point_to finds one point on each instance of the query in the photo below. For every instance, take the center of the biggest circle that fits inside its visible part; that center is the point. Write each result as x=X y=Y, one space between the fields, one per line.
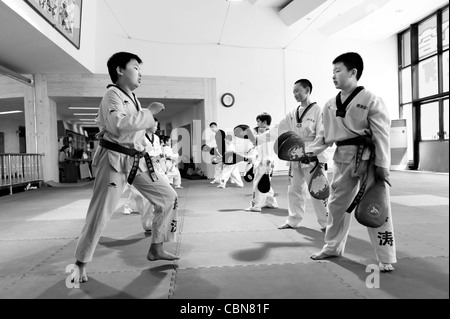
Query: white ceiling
x=252 y=23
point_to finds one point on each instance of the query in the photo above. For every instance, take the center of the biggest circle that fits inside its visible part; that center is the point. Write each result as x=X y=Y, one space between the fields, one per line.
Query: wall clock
x=227 y=99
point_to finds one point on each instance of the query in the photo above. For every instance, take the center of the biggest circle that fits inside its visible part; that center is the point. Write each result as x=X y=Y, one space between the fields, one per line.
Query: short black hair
x=120 y=59
x=212 y=123
x=351 y=60
x=305 y=83
x=265 y=117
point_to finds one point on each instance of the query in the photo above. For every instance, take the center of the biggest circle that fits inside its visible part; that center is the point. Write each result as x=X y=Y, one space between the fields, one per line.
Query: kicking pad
x=244 y=131
x=220 y=141
x=292 y=149
x=264 y=184
x=372 y=210
x=249 y=175
x=319 y=187
x=231 y=158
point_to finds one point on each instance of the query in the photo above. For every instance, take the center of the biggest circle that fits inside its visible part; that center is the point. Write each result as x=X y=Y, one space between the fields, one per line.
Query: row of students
x=349 y=120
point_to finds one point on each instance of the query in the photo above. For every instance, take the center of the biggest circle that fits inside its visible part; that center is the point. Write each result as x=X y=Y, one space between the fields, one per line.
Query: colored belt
x=136 y=155
x=362 y=142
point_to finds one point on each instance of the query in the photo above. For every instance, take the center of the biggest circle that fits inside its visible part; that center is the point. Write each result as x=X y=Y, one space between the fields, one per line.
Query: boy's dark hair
x=351 y=60
x=212 y=123
x=166 y=138
x=120 y=59
x=264 y=117
x=305 y=83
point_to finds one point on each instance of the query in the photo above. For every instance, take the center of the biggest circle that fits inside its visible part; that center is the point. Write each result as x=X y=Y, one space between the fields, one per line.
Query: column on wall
x=41 y=126
x=210 y=115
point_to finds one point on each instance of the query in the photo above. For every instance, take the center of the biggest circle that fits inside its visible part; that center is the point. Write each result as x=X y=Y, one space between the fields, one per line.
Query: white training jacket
x=366 y=114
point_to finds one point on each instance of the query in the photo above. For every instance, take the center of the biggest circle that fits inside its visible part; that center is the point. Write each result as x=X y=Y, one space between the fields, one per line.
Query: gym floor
x=225 y=253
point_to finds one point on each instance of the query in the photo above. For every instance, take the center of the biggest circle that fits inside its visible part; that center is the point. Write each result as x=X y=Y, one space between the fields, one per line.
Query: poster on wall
x=63 y=15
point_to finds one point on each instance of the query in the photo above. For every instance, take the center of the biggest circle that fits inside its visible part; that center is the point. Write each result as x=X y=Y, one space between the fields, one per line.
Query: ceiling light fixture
x=87 y=120
x=85 y=114
x=82 y=108
x=10 y=112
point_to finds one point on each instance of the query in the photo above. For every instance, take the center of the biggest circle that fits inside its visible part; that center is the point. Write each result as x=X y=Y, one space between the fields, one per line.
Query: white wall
x=260 y=79
x=379 y=75
x=85 y=55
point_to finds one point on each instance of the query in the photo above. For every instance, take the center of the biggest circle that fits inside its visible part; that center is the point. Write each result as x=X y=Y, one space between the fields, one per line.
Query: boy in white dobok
x=262 y=159
x=123 y=122
x=306 y=121
x=354 y=113
x=230 y=172
x=171 y=163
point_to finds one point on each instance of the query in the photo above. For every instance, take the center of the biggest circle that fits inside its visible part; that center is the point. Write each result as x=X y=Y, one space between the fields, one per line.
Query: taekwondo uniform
x=136 y=199
x=363 y=114
x=170 y=164
x=230 y=171
x=310 y=129
x=262 y=157
x=123 y=123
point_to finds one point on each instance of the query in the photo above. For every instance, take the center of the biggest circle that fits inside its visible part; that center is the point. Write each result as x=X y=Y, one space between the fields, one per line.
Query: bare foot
x=80 y=273
x=320 y=255
x=285 y=226
x=156 y=252
x=385 y=267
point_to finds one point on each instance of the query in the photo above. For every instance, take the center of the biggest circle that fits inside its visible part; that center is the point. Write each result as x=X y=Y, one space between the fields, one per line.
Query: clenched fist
x=156 y=107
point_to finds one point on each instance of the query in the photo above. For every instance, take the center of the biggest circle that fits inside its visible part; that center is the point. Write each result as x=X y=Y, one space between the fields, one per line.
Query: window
x=446 y=115
x=406 y=49
x=423 y=71
x=428 y=37
x=424 y=76
x=406 y=85
x=428 y=77
x=445 y=72
x=429 y=121
x=445 y=29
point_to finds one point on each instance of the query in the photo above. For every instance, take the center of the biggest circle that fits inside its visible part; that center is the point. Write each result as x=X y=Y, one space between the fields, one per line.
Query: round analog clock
x=227 y=99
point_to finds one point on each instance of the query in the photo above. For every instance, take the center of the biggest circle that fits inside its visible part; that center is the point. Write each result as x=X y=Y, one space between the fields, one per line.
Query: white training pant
x=108 y=188
x=262 y=199
x=344 y=188
x=231 y=172
x=173 y=173
x=218 y=171
x=297 y=194
x=138 y=203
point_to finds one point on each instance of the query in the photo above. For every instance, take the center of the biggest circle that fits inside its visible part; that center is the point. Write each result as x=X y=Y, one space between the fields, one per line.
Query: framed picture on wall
x=63 y=15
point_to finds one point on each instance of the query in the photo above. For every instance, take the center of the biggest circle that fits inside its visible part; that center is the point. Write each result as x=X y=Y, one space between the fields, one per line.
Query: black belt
x=137 y=156
x=362 y=142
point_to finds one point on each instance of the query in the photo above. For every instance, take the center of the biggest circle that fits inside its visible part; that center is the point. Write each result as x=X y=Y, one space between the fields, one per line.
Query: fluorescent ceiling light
x=10 y=112
x=82 y=108
x=88 y=120
x=85 y=114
